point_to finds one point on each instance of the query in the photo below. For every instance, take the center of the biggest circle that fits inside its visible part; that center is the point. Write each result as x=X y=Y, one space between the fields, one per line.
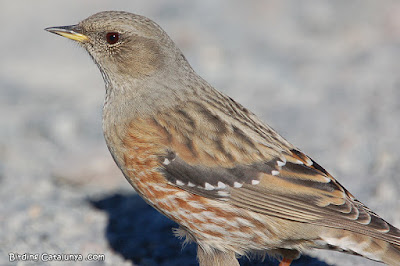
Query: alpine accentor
x=230 y=181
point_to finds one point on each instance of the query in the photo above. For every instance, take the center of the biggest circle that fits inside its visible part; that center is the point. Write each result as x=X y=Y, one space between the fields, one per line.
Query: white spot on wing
x=180 y=183
x=190 y=184
x=237 y=184
x=221 y=185
x=166 y=161
x=208 y=186
x=327 y=180
x=274 y=172
x=309 y=162
x=280 y=164
x=255 y=182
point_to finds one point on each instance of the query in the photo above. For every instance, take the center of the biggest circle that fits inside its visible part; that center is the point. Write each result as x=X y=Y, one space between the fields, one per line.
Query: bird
x=233 y=185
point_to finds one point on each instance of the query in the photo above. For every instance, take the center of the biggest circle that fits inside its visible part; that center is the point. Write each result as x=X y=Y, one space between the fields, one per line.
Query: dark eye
x=112 y=37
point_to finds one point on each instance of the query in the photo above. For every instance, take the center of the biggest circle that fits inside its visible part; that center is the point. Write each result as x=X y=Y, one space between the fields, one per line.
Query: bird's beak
x=71 y=32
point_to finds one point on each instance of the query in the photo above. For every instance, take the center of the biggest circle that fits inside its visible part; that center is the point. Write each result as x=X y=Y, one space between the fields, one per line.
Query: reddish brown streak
x=141 y=161
x=143 y=142
x=183 y=204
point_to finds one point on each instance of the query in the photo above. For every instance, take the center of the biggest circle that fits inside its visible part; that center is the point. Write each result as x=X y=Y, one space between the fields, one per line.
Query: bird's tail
x=363 y=245
x=391 y=255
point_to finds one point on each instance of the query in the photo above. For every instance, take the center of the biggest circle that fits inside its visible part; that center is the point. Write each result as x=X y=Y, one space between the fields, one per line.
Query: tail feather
x=363 y=245
x=392 y=255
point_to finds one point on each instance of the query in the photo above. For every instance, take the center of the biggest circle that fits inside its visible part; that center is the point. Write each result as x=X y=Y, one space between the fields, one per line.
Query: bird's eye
x=112 y=37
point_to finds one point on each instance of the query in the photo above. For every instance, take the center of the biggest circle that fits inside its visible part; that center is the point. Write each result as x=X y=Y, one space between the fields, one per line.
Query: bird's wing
x=244 y=162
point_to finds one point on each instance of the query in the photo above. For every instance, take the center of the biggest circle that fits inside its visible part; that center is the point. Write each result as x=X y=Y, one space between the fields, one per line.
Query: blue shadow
x=144 y=236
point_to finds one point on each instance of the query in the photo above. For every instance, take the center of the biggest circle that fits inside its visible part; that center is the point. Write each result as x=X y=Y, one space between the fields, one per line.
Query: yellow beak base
x=69 y=32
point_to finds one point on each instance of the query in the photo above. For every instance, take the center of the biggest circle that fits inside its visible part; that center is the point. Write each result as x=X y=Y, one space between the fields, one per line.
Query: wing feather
x=246 y=163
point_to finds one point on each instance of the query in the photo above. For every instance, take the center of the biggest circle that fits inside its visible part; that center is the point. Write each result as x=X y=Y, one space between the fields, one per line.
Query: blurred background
x=325 y=74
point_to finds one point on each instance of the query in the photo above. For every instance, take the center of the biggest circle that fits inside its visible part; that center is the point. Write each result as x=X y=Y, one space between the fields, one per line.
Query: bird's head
x=122 y=43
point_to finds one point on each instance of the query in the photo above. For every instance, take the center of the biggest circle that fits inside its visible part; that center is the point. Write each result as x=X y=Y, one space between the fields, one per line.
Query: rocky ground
x=325 y=74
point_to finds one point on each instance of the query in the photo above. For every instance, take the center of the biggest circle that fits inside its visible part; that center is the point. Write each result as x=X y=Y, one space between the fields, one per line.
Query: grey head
x=139 y=62
x=125 y=45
